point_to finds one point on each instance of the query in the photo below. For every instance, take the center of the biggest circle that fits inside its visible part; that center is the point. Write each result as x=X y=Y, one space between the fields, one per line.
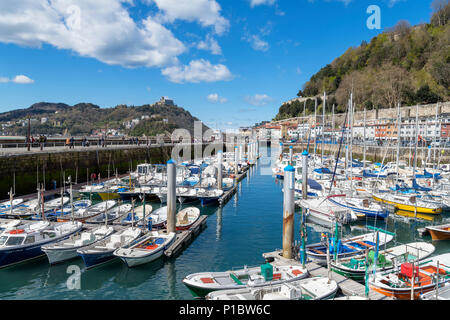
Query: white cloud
x=205 y=12
x=101 y=29
x=210 y=44
x=258 y=99
x=198 y=71
x=257 y=43
x=254 y=3
x=19 y=79
x=215 y=98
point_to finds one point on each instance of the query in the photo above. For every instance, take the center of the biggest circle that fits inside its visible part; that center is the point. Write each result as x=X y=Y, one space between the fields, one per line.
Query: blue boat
x=19 y=245
x=361 y=206
x=102 y=251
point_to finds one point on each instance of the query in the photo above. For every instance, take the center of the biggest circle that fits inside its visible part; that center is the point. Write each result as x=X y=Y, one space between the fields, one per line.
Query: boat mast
x=332 y=122
x=323 y=122
x=435 y=129
x=364 y=153
x=352 y=106
x=315 y=127
x=71 y=198
x=399 y=120
x=415 y=144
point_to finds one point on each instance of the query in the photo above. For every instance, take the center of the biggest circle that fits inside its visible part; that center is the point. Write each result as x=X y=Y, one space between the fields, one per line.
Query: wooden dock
x=229 y=193
x=185 y=237
x=347 y=286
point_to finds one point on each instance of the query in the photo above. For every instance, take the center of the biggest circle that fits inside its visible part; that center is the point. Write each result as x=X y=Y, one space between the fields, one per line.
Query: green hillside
x=405 y=64
x=85 y=118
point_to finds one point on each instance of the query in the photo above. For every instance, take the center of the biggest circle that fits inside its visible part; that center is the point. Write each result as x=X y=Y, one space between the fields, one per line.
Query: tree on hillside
x=392 y=85
x=441 y=12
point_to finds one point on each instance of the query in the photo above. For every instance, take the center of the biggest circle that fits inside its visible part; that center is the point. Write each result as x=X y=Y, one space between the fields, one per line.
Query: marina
x=242 y=214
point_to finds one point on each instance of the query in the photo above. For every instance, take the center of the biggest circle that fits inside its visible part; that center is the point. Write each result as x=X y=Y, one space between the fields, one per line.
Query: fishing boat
x=315 y=288
x=343 y=248
x=67 y=209
x=360 y=206
x=186 y=195
x=200 y=284
x=408 y=203
x=442 y=293
x=90 y=212
x=23 y=244
x=186 y=218
x=135 y=215
x=6 y=205
x=67 y=249
x=227 y=183
x=10 y=224
x=209 y=197
x=441 y=232
x=158 y=218
x=413 y=280
x=321 y=210
x=91 y=191
x=149 y=247
x=102 y=251
x=111 y=215
x=355 y=267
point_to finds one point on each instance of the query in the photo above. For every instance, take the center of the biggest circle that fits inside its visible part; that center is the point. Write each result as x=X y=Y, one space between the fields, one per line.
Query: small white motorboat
x=67 y=249
x=148 y=248
x=187 y=217
x=200 y=284
x=315 y=288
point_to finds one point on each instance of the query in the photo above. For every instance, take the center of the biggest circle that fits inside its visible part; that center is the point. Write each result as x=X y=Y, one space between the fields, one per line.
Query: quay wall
x=27 y=171
x=376 y=154
x=429 y=111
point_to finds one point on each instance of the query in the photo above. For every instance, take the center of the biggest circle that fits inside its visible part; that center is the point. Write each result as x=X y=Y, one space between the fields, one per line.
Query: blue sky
x=230 y=63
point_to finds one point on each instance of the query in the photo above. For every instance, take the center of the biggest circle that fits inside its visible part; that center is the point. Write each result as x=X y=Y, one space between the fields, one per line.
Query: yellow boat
x=410 y=214
x=109 y=195
x=411 y=204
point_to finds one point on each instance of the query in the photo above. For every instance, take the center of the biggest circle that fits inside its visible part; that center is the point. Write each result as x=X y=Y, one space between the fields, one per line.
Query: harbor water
x=237 y=234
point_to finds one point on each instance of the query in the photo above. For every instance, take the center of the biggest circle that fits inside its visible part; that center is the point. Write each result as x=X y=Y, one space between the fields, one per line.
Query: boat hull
x=406 y=207
x=108 y=195
x=15 y=256
x=404 y=294
x=437 y=234
x=58 y=256
x=92 y=260
x=134 y=262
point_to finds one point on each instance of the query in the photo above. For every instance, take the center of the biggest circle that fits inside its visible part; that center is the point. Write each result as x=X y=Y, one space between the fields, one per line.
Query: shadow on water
x=132 y=277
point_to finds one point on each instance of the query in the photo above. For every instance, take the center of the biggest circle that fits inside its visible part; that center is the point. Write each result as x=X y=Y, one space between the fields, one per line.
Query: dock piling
x=171 y=196
x=288 y=211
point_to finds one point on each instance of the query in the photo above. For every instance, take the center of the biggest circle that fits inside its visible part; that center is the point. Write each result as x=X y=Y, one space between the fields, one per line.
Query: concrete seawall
x=27 y=170
x=377 y=153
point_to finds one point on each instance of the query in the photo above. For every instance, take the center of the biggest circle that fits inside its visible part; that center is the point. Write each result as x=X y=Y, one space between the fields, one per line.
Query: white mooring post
x=305 y=174
x=291 y=155
x=236 y=168
x=219 y=170
x=171 y=196
x=288 y=211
